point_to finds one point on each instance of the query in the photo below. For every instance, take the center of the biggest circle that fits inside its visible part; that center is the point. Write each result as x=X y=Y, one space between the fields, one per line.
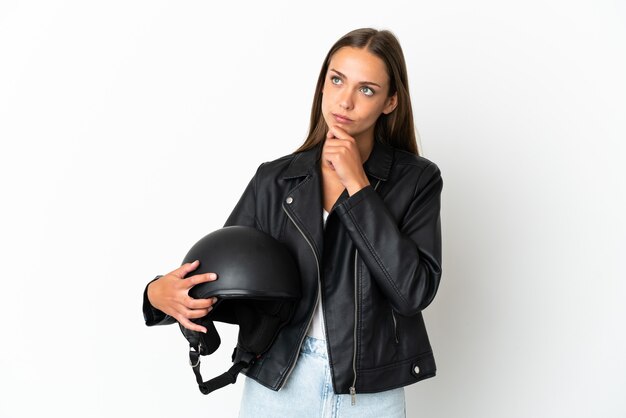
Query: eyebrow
x=362 y=82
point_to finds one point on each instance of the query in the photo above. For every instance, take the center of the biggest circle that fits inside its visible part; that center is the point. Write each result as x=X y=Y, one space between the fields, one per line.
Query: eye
x=334 y=79
x=367 y=91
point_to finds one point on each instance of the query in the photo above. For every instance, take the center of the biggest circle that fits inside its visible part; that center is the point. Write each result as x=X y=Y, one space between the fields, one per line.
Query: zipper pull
x=353 y=395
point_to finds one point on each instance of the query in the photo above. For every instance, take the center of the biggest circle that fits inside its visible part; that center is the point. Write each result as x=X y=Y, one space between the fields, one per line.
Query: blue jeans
x=308 y=393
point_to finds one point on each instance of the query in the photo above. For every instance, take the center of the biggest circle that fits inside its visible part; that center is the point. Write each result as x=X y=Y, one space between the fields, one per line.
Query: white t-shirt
x=316 y=330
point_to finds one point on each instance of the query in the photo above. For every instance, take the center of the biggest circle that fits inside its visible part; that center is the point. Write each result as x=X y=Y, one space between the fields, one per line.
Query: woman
x=359 y=208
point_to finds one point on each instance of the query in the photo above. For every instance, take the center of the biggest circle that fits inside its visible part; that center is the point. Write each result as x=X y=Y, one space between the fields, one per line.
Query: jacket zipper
x=317 y=263
x=356 y=318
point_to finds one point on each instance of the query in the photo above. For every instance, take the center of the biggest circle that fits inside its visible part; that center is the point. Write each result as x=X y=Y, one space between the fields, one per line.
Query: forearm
x=404 y=257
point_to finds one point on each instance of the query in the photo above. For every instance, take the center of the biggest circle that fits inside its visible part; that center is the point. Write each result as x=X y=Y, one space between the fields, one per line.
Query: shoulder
x=415 y=173
x=276 y=167
x=279 y=163
x=290 y=166
x=280 y=172
x=407 y=163
x=404 y=158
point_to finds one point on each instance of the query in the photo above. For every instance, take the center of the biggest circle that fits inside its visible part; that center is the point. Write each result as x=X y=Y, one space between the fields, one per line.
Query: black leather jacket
x=376 y=265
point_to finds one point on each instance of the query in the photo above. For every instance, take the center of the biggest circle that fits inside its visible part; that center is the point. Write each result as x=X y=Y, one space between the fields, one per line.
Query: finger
x=336 y=154
x=192 y=303
x=183 y=270
x=339 y=132
x=337 y=143
x=336 y=147
x=191 y=325
x=330 y=142
x=198 y=313
x=194 y=313
x=328 y=161
x=200 y=278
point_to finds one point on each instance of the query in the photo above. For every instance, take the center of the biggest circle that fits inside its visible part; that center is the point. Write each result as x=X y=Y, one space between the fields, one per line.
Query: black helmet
x=257 y=288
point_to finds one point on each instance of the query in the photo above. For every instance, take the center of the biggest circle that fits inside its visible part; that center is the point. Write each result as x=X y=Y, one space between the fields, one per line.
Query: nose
x=345 y=99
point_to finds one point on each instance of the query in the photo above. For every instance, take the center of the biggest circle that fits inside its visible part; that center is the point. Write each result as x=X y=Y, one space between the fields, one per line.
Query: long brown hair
x=397 y=128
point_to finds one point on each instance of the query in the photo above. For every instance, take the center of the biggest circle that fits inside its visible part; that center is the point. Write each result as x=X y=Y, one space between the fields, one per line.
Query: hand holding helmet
x=170 y=294
x=258 y=290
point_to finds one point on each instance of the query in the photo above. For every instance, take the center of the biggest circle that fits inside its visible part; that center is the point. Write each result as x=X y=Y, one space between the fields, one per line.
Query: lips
x=341 y=119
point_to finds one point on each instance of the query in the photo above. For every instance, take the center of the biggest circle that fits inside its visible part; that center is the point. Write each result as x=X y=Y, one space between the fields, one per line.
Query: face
x=356 y=92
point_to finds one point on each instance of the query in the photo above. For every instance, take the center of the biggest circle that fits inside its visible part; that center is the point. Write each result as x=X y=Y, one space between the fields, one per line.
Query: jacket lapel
x=303 y=202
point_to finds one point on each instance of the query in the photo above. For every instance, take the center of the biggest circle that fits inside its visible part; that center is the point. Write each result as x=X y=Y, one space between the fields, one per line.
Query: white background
x=129 y=130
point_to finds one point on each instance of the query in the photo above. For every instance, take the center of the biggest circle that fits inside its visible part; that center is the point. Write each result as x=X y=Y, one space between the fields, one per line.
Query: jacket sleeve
x=243 y=214
x=404 y=257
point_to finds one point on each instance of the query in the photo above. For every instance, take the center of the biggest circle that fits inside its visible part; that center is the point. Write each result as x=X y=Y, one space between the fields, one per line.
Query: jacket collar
x=377 y=165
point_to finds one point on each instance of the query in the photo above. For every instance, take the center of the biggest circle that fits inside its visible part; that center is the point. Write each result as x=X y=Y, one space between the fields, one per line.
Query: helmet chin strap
x=259 y=323
x=226 y=378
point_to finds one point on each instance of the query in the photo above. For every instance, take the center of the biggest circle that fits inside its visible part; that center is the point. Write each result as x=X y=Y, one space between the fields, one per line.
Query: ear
x=391 y=104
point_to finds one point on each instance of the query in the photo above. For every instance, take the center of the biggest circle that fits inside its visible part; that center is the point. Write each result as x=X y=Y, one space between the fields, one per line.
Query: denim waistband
x=314 y=346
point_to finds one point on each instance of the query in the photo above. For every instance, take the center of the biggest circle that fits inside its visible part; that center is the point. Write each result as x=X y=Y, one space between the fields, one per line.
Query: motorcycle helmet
x=257 y=287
